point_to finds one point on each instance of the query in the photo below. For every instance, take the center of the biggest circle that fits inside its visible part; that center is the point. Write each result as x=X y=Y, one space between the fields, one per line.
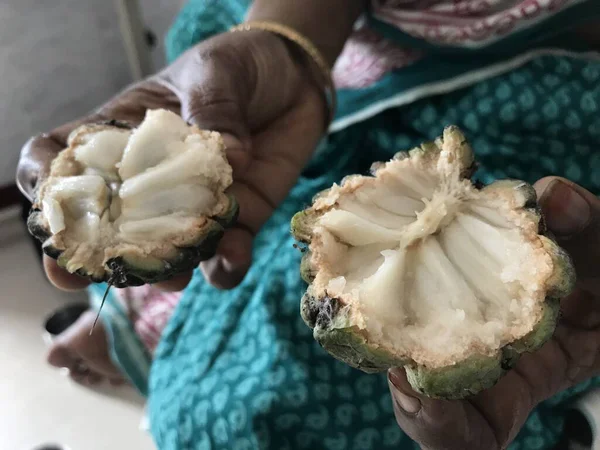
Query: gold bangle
x=308 y=47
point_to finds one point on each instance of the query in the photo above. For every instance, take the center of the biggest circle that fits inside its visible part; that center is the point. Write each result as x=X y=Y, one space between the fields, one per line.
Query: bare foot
x=86 y=357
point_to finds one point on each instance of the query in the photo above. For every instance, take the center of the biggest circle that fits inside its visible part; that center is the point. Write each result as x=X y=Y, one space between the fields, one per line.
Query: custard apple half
x=134 y=206
x=418 y=267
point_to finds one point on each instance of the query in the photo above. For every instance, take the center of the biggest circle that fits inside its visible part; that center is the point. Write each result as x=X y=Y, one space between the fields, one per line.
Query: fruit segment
x=135 y=205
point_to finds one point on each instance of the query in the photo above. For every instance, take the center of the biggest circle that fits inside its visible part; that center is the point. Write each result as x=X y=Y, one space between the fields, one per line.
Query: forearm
x=327 y=23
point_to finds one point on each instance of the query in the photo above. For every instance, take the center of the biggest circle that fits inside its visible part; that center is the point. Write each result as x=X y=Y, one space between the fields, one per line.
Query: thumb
x=438 y=424
x=217 y=108
x=215 y=104
x=572 y=214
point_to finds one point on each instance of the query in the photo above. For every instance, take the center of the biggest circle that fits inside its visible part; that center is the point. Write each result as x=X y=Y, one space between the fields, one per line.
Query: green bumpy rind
x=350 y=347
x=543 y=330
x=347 y=344
x=458 y=381
x=230 y=216
x=562 y=281
x=301 y=226
x=480 y=372
x=524 y=193
x=127 y=270
x=306 y=269
x=344 y=341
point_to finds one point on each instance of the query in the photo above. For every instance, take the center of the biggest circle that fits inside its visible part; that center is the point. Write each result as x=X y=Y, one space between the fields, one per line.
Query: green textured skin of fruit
x=543 y=331
x=134 y=272
x=35 y=227
x=345 y=343
x=300 y=226
x=562 y=282
x=525 y=193
x=461 y=380
x=349 y=346
x=306 y=270
x=230 y=216
x=480 y=372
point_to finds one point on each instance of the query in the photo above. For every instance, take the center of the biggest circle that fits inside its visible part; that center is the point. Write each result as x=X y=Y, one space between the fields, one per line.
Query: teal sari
x=239 y=369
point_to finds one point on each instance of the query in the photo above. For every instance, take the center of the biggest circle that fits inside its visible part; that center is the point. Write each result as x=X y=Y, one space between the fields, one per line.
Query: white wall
x=58 y=60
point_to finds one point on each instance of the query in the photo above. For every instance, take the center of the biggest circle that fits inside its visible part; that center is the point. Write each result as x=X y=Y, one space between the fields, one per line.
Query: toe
x=77 y=346
x=61 y=356
x=117 y=381
x=94 y=378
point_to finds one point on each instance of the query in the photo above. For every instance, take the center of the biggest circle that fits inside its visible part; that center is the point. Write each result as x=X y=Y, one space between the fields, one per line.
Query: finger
x=437 y=424
x=232 y=261
x=39 y=151
x=116 y=381
x=573 y=216
x=222 y=84
x=569 y=208
x=34 y=162
x=177 y=283
x=580 y=309
x=77 y=377
x=62 y=279
x=61 y=356
x=234 y=254
x=218 y=107
x=259 y=187
x=130 y=106
x=93 y=378
x=211 y=99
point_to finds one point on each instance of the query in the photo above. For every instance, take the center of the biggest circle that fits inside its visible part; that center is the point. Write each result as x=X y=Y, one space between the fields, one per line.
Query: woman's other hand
x=246 y=85
x=492 y=419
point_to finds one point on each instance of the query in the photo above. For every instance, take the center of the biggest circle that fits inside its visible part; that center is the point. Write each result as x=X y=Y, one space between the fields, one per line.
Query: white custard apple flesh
x=418 y=267
x=135 y=205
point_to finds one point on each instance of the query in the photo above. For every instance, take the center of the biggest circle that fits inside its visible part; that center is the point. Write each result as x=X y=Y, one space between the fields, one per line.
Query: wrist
x=305 y=56
x=326 y=23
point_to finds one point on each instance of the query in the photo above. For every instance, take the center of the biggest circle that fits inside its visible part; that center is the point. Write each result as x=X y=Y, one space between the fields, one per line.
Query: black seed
x=310 y=310
x=531 y=203
x=51 y=252
x=542 y=227
x=470 y=171
x=35 y=228
x=506 y=364
x=118 y=124
x=478 y=184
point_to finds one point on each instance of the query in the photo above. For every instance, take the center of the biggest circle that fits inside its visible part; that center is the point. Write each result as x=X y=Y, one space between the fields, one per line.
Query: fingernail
x=568 y=212
x=232 y=269
x=408 y=403
x=231 y=142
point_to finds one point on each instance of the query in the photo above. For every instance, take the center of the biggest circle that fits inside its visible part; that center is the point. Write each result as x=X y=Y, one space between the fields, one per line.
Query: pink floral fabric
x=367 y=56
x=150 y=309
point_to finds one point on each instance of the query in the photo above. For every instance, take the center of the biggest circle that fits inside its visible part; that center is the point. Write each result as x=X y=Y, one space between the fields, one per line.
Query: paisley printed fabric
x=240 y=370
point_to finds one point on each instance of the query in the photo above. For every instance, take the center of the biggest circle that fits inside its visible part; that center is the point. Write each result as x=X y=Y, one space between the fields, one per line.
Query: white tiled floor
x=38 y=404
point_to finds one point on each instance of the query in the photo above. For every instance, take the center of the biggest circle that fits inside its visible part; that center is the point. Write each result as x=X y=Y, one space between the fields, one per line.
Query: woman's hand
x=246 y=85
x=492 y=419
